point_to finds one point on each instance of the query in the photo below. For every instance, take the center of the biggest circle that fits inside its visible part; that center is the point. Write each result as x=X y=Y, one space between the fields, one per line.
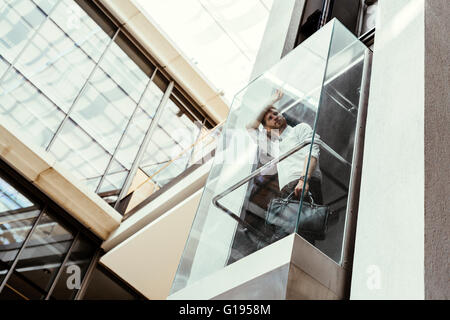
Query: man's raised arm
x=275 y=98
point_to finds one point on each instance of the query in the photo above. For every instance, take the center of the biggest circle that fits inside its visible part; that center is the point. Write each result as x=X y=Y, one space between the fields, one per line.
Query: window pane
x=133 y=138
x=151 y=99
x=118 y=65
x=11 y=199
x=56 y=65
x=92 y=183
x=17 y=215
x=104 y=110
x=28 y=110
x=163 y=173
x=139 y=126
x=46 y=5
x=114 y=181
x=74 y=270
x=104 y=287
x=79 y=153
x=3 y=65
x=80 y=28
x=18 y=20
x=41 y=259
x=169 y=146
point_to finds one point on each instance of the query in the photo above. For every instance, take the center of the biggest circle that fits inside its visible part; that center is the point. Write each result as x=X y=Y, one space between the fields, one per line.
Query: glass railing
x=289 y=142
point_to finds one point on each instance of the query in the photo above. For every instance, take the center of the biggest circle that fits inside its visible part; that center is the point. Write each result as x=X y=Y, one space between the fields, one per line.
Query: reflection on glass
x=304 y=108
x=104 y=287
x=139 y=126
x=41 y=258
x=336 y=126
x=18 y=20
x=80 y=28
x=133 y=137
x=28 y=110
x=124 y=71
x=3 y=65
x=17 y=215
x=46 y=5
x=56 y=65
x=369 y=16
x=175 y=133
x=114 y=181
x=104 y=110
x=79 y=152
x=203 y=149
x=74 y=270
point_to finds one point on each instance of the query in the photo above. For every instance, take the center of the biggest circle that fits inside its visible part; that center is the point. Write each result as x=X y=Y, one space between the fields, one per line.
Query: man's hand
x=277 y=95
x=275 y=98
x=299 y=187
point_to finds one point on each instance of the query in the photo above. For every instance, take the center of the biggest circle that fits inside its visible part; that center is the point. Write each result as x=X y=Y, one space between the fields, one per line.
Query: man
x=293 y=174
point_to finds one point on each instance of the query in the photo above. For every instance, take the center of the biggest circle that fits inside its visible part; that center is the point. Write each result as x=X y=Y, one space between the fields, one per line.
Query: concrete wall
x=149 y=259
x=389 y=248
x=276 y=34
x=159 y=206
x=437 y=150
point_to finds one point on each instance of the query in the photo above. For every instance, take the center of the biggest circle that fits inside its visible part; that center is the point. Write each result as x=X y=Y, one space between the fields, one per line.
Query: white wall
x=149 y=259
x=389 y=248
x=274 y=37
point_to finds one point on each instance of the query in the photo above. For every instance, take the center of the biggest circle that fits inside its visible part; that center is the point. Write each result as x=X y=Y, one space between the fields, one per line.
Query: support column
x=280 y=33
x=389 y=246
x=437 y=150
x=402 y=249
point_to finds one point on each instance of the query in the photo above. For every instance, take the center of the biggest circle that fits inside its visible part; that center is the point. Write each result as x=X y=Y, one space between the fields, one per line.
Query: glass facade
x=290 y=135
x=174 y=134
x=42 y=255
x=74 y=84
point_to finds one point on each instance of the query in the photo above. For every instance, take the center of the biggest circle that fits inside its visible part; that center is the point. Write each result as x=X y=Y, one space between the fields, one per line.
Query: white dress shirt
x=291 y=168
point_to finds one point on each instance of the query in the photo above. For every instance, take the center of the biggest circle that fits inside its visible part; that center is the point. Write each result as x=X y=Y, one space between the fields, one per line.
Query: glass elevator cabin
x=320 y=91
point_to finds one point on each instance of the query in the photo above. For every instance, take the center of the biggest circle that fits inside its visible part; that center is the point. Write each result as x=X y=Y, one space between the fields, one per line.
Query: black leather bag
x=283 y=212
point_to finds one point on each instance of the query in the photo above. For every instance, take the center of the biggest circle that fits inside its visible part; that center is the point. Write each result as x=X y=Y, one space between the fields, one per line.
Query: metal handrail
x=241 y=182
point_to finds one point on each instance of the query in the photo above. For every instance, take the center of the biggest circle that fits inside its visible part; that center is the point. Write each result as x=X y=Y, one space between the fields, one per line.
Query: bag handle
x=289 y=197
